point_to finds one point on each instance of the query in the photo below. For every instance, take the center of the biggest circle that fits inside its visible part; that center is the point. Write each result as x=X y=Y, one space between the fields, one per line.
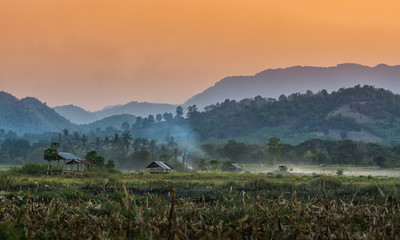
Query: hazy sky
x=93 y=53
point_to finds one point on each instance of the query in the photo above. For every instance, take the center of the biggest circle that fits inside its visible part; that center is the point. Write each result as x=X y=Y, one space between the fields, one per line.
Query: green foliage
x=380 y=161
x=52 y=152
x=274 y=148
x=299 y=117
x=8 y=232
x=339 y=171
x=92 y=157
x=31 y=169
x=110 y=164
x=179 y=112
x=214 y=164
x=283 y=168
x=202 y=164
x=16 y=147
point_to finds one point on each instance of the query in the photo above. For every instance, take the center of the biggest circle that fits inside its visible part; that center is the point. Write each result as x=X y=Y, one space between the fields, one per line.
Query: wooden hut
x=76 y=165
x=159 y=167
x=68 y=159
x=234 y=167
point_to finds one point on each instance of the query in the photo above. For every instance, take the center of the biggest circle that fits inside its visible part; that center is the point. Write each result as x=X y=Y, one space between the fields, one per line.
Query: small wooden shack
x=234 y=167
x=159 y=167
x=75 y=164
x=79 y=165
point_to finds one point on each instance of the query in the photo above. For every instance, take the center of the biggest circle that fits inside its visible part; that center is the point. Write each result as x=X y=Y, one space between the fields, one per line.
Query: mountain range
x=269 y=83
x=29 y=115
x=273 y=82
x=80 y=116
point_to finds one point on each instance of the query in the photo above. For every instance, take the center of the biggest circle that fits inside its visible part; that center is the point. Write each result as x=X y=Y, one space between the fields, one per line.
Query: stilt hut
x=78 y=165
x=75 y=164
x=159 y=167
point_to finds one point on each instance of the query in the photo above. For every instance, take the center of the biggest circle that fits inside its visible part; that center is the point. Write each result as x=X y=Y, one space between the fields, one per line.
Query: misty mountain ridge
x=271 y=83
x=114 y=121
x=76 y=114
x=29 y=115
x=79 y=115
x=142 y=109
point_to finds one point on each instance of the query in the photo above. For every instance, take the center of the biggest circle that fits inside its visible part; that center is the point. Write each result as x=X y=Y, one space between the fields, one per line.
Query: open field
x=198 y=206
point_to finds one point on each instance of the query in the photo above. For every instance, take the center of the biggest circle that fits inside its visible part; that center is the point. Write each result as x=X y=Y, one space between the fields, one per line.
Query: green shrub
x=30 y=168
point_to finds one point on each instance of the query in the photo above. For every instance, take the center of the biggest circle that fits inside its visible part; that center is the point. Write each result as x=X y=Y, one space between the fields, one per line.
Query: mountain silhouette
x=29 y=115
x=272 y=83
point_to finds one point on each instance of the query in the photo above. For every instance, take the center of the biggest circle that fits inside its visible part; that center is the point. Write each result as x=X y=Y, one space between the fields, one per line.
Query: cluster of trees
x=126 y=151
x=151 y=119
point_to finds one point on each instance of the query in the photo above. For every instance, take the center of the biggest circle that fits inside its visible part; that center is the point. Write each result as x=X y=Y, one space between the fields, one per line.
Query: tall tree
x=159 y=117
x=51 y=154
x=138 y=123
x=168 y=116
x=179 y=112
x=192 y=112
x=92 y=157
x=274 y=148
x=126 y=138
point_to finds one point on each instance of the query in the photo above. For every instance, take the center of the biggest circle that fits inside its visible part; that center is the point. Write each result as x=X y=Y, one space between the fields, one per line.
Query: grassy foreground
x=198 y=206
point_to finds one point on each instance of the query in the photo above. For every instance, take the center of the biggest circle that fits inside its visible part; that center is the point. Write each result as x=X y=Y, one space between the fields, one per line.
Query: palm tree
x=65 y=132
x=126 y=138
x=85 y=144
x=98 y=143
x=106 y=141
x=65 y=140
x=116 y=141
x=140 y=143
x=153 y=148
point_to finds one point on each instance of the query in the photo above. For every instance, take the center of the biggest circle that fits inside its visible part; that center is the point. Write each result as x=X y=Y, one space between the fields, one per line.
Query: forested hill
x=29 y=115
x=359 y=113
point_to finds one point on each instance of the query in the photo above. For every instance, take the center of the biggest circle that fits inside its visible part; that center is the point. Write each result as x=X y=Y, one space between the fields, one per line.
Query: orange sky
x=93 y=53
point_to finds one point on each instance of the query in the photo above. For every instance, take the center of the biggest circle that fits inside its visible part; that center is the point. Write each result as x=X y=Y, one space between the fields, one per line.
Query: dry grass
x=237 y=216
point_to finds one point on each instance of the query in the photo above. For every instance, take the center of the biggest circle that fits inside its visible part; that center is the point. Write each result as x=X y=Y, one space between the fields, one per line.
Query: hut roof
x=68 y=156
x=235 y=165
x=82 y=161
x=86 y=162
x=163 y=165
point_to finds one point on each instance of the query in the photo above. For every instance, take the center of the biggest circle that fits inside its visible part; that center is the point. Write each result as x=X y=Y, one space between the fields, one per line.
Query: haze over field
x=97 y=53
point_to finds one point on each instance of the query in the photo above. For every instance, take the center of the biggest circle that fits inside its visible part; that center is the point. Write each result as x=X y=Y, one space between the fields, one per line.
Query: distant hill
x=29 y=115
x=142 y=109
x=272 y=83
x=113 y=121
x=76 y=114
x=360 y=113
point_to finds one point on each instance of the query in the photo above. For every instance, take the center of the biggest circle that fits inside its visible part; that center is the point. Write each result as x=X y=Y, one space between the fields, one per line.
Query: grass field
x=198 y=206
x=349 y=170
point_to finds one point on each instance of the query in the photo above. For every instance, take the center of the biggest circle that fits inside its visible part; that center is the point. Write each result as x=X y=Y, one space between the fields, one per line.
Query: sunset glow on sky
x=93 y=53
